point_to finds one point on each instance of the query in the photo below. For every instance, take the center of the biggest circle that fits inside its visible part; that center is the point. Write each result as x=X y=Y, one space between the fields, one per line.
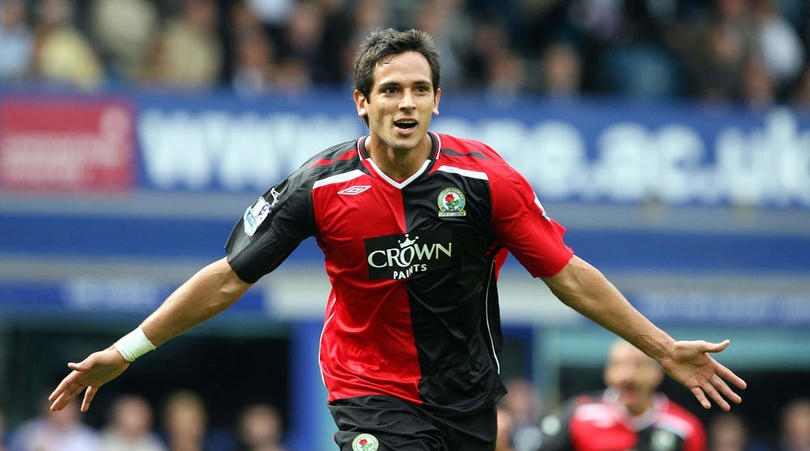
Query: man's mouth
x=405 y=124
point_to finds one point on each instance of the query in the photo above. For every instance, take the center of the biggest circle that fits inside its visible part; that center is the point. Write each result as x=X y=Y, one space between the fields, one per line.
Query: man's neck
x=398 y=164
x=640 y=410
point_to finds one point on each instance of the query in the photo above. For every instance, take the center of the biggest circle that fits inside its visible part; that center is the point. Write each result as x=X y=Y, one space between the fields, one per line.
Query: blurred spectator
x=647 y=49
x=506 y=78
x=62 y=54
x=497 y=70
x=274 y=12
x=490 y=42
x=639 y=70
x=450 y=31
x=727 y=433
x=55 y=431
x=600 y=19
x=718 y=63
x=303 y=31
x=366 y=16
x=561 y=70
x=336 y=36
x=130 y=427
x=758 y=90
x=254 y=66
x=779 y=45
x=796 y=426
x=189 y=54
x=185 y=421
x=733 y=13
x=522 y=407
x=15 y=41
x=371 y=14
x=260 y=429
x=630 y=414
x=293 y=76
x=123 y=30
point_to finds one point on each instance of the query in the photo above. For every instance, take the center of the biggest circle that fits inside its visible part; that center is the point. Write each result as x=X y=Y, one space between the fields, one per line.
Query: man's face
x=401 y=101
x=633 y=375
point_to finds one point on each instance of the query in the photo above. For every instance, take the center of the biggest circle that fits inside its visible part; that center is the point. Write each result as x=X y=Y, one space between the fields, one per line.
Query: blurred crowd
x=752 y=52
x=130 y=427
x=524 y=423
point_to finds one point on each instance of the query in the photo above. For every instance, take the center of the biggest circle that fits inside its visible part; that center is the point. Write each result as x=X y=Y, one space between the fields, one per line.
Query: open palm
x=692 y=366
x=88 y=376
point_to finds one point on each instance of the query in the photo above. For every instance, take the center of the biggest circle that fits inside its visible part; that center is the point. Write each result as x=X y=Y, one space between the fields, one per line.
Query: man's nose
x=407 y=100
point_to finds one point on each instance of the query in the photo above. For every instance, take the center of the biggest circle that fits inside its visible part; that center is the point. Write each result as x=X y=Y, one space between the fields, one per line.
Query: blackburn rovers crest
x=365 y=442
x=451 y=203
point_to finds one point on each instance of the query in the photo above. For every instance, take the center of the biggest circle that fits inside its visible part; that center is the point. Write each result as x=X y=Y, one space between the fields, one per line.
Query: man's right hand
x=88 y=376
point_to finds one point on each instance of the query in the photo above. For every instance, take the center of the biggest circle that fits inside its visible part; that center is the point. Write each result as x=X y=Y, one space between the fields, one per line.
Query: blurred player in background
x=796 y=426
x=185 y=421
x=414 y=226
x=630 y=414
x=62 y=430
x=728 y=432
x=130 y=427
x=260 y=429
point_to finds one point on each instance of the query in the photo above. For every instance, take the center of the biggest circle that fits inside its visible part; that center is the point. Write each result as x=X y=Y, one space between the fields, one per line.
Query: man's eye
x=390 y=90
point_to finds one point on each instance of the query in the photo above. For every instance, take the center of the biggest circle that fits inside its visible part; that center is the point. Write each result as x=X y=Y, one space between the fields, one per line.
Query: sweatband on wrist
x=133 y=345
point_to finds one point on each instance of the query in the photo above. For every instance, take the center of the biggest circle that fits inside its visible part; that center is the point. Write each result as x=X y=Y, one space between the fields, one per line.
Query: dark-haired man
x=414 y=226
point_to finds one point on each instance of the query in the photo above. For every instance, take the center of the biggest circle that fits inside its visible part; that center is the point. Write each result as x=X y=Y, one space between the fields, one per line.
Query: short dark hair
x=388 y=41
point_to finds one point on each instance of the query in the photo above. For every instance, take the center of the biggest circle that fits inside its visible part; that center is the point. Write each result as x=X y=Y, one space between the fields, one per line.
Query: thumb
x=717 y=347
x=81 y=366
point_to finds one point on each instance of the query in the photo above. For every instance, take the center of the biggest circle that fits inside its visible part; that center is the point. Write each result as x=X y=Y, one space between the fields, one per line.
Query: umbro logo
x=354 y=190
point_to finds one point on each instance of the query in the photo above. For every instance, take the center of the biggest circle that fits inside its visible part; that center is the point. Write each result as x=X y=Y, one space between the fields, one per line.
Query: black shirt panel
x=282 y=217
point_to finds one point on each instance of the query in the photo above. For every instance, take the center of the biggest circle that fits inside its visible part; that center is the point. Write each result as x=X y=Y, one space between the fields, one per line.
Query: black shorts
x=385 y=423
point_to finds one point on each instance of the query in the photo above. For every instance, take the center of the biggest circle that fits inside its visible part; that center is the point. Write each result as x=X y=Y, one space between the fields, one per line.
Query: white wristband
x=133 y=345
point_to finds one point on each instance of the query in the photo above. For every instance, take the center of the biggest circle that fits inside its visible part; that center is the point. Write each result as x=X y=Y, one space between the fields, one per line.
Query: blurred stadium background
x=670 y=137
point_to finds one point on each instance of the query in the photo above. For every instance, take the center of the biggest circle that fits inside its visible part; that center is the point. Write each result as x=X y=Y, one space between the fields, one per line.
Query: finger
x=701 y=397
x=721 y=385
x=63 y=400
x=729 y=375
x=66 y=385
x=709 y=389
x=89 y=394
x=69 y=379
x=57 y=394
x=72 y=392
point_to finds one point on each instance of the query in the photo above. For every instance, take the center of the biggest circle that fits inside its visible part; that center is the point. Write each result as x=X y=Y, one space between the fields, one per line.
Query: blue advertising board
x=199 y=160
x=583 y=151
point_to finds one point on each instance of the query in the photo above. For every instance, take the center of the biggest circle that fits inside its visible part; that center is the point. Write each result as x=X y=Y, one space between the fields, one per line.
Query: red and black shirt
x=601 y=423
x=413 y=311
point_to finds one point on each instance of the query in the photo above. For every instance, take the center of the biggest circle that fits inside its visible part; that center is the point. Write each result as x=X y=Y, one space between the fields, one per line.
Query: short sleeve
x=272 y=228
x=523 y=227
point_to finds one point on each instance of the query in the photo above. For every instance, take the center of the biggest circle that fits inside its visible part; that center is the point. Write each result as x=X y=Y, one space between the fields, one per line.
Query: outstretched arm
x=207 y=293
x=583 y=288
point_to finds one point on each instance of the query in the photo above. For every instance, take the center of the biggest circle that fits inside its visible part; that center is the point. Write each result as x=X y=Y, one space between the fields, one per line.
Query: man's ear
x=360 y=102
x=436 y=104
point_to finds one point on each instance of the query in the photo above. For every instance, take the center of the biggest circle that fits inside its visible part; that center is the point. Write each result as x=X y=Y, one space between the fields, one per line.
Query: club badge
x=451 y=203
x=365 y=442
